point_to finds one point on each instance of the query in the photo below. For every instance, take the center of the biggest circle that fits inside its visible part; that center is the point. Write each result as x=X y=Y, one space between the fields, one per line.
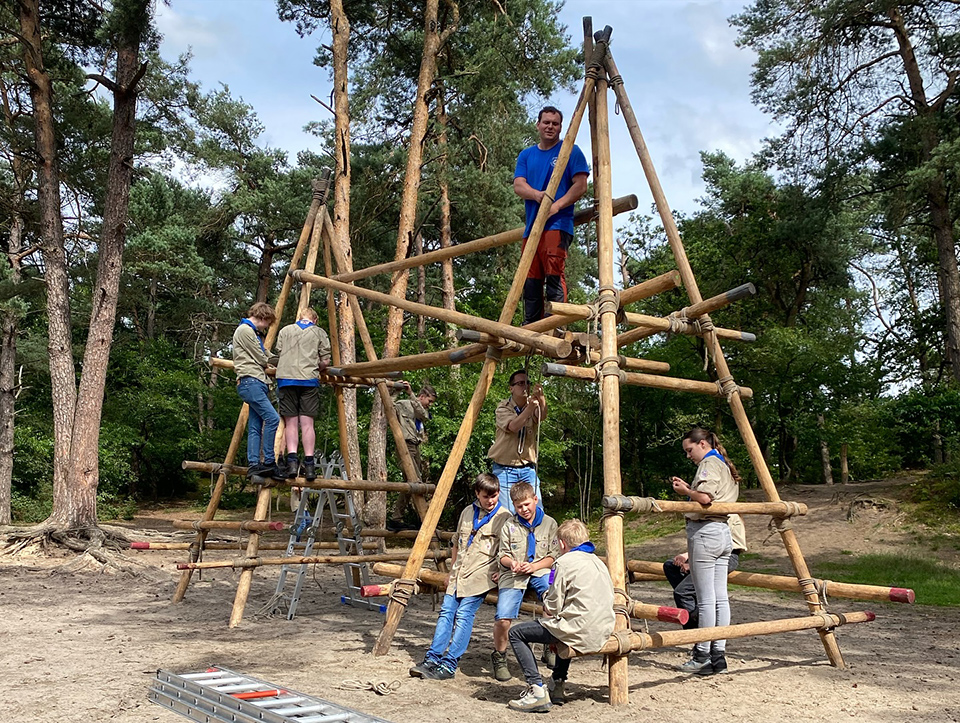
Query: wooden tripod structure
x=494 y=340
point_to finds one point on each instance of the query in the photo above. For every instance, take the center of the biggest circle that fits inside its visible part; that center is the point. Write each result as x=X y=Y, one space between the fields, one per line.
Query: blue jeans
x=263 y=422
x=509 y=476
x=509 y=598
x=454 y=628
x=709 y=547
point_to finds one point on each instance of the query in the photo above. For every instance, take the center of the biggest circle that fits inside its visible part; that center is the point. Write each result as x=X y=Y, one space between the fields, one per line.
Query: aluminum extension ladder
x=306 y=524
x=218 y=694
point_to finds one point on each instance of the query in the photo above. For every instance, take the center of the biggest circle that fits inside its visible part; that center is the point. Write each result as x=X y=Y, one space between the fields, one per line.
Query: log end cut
x=673 y=615
x=902 y=595
x=146 y=546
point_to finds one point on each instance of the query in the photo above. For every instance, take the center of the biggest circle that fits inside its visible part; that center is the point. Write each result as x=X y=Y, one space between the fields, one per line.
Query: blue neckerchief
x=531 y=536
x=304 y=324
x=478 y=522
x=714 y=453
x=523 y=430
x=418 y=424
x=585 y=547
x=256 y=332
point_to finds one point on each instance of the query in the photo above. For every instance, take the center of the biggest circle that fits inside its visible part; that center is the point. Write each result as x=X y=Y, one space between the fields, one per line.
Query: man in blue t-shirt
x=534 y=167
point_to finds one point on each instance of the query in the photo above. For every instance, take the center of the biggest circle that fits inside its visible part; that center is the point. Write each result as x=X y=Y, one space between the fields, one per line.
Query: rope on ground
x=379 y=687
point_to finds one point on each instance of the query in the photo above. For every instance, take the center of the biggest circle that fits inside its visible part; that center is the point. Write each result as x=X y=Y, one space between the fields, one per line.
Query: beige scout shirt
x=249 y=360
x=513 y=449
x=737 y=533
x=713 y=478
x=408 y=412
x=473 y=571
x=513 y=543
x=580 y=602
x=299 y=351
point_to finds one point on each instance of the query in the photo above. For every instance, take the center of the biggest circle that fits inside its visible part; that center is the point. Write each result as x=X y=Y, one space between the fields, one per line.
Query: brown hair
x=486 y=482
x=699 y=434
x=521 y=491
x=309 y=313
x=573 y=532
x=260 y=310
x=427 y=390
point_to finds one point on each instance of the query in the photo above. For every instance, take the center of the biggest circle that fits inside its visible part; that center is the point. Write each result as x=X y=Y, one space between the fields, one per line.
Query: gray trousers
x=709 y=547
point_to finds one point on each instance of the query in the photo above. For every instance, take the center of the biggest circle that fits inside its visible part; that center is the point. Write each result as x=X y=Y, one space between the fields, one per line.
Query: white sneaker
x=533 y=700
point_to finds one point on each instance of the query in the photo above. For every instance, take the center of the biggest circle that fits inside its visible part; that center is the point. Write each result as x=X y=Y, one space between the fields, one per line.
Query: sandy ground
x=83 y=644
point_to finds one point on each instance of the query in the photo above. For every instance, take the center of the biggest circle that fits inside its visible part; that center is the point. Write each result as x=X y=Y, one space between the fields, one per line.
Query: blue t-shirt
x=536 y=166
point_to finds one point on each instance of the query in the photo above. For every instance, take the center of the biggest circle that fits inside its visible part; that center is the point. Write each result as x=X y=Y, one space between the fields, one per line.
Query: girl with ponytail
x=709 y=543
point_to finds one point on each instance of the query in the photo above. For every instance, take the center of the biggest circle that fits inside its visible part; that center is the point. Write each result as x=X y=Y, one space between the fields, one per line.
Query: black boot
x=293 y=466
x=309 y=468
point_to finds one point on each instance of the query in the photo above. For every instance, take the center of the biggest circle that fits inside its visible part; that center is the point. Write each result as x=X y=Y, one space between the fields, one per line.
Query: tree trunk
x=448 y=291
x=9 y=320
x=432 y=42
x=340 y=27
x=844 y=468
x=78 y=507
x=824 y=453
x=59 y=346
x=941 y=220
x=264 y=269
x=421 y=297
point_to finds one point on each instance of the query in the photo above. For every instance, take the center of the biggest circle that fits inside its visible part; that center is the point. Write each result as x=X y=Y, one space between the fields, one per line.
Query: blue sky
x=687 y=81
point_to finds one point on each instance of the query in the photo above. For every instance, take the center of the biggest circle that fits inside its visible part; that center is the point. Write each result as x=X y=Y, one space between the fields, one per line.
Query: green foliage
x=934 y=582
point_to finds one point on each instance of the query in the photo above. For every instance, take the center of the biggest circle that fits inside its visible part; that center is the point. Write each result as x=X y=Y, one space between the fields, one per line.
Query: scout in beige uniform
x=303 y=351
x=709 y=543
x=514 y=450
x=578 y=611
x=413 y=414
x=250 y=358
x=475 y=563
x=528 y=549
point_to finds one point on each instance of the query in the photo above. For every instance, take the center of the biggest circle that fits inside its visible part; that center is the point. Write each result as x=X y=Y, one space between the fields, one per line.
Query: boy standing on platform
x=303 y=352
x=528 y=549
x=250 y=359
x=475 y=561
x=514 y=449
x=578 y=611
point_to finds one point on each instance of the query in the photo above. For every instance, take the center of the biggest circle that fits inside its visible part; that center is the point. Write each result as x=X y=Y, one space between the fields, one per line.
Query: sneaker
x=500 y=670
x=309 y=468
x=549 y=657
x=695 y=666
x=533 y=700
x=441 y=672
x=558 y=694
x=718 y=666
x=422 y=670
x=293 y=466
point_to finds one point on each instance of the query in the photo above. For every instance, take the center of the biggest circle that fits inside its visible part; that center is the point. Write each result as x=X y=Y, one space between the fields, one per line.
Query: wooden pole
x=623 y=503
x=723 y=372
x=253 y=547
x=333 y=323
x=620 y=205
x=246 y=525
x=635 y=609
x=341 y=380
x=248 y=563
x=851 y=591
x=420 y=488
x=609 y=373
x=546 y=344
x=405 y=584
x=160 y=546
x=671 y=638
x=658 y=327
x=641 y=380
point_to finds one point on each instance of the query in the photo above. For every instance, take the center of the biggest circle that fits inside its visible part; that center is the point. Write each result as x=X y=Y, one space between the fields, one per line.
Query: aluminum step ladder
x=218 y=694
x=306 y=526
